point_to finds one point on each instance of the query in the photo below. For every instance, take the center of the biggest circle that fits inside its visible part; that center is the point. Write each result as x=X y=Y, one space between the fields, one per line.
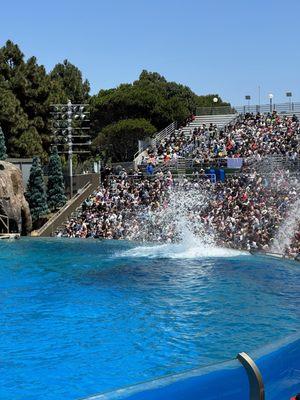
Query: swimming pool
x=81 y=317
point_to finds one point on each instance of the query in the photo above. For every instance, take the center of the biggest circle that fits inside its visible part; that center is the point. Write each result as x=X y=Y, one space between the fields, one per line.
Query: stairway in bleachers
x=58 y=219
x=219 y=120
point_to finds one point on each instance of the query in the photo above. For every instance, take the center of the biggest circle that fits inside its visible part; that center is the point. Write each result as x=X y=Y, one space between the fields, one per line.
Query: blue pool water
x=82 y=317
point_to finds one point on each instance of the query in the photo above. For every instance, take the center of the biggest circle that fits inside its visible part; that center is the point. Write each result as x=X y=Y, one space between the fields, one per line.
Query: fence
x=265 y=165
x=215 y=110
x=281 y=108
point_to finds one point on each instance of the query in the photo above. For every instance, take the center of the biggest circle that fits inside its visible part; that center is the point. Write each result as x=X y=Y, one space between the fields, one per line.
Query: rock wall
x=12 y=199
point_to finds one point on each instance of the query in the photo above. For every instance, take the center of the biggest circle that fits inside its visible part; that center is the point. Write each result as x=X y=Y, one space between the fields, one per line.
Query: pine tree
x=3 y=154
x=36 y=191
x=56 y=188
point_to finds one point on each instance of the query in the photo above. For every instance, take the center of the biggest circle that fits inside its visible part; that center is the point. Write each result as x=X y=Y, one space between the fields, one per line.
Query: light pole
x=67 y=119
x=289 y=95
x=271 y=101
x=248 y=98
x=215 y=100
x=70 y=146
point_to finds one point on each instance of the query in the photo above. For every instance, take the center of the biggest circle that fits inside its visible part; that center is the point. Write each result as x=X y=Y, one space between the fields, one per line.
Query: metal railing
x=215 y=110
x=159 y=136
x=273 y=162
x=49 y=227
x=256 y=384
x=281 y=108
x=166 y=132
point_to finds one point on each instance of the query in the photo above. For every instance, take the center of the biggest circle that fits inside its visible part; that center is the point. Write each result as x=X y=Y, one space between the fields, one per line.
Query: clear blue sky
x=228 y=47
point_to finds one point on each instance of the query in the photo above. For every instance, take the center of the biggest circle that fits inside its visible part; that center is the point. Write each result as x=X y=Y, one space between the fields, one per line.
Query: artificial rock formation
x=12 y=200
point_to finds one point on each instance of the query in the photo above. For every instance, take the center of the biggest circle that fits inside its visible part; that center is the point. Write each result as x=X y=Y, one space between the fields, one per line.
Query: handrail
x=65 y=207
x=158 y=136
x=166 y=131
x=256 y=384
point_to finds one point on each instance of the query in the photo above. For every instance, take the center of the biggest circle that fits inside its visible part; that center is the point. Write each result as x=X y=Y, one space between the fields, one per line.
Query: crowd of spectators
x=180 y=144
x=251 y=136
x=244 y=212
x=112 y=211
x=259 y=135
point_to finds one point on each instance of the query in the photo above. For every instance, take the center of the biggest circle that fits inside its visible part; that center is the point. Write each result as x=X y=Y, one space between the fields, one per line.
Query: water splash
x=286 y=232
x=175 y=219
x=177 y=226
x=181 y=250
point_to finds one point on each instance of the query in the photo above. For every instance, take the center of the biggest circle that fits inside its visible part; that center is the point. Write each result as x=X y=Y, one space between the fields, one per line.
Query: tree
x=55 y=188
x=30 y=143
x=13 y=119
x=3 y=154
x=24 y=99
x=120 y=140
x=36 y=191
x=70 y=82
x=151 y=97
x=27 y=92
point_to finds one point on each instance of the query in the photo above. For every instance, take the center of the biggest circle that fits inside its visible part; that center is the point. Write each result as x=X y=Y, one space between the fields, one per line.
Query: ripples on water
x=80 y=317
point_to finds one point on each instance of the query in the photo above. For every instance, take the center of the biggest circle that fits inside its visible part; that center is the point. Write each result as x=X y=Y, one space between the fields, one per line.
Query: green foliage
x=27 y=91
x=151 y=97
x=36 y=191
x=55 y=187
x=30 y=143
x=69 y=79
x=13 y=119
x=120 y=140
x=3 y=154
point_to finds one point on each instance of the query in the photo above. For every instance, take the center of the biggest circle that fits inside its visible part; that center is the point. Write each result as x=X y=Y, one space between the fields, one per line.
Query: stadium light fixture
x=66 y=119
x=271 y=101
x=289 y=95
x=248 y=98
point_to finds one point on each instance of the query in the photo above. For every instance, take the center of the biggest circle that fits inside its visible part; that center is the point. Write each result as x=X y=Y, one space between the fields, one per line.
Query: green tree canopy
x=30 y=142
x=24 y=91
x=36 y=191
x=27 y=91
x=120 y=140
x=70 y=84
x=151 y=97
x=55 y=187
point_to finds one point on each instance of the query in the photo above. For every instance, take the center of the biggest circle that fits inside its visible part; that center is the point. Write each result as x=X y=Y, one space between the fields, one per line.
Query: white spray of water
x=286 y=232
x=182 y=250
x=178 y=227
